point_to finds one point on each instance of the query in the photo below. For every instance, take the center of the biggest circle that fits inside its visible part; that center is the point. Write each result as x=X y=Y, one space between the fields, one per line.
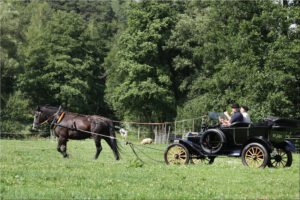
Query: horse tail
x=123 y=132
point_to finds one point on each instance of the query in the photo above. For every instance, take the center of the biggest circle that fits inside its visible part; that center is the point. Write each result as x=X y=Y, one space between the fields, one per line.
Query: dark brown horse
x=67 y=125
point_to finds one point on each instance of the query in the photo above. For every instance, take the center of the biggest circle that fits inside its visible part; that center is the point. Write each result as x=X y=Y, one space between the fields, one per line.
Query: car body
x=259 y=145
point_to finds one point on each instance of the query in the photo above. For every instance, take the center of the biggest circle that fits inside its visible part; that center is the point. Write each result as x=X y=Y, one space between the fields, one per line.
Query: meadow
x=33 y=169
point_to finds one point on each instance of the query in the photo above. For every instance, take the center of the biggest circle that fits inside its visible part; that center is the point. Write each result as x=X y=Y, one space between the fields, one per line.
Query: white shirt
x=246 y=117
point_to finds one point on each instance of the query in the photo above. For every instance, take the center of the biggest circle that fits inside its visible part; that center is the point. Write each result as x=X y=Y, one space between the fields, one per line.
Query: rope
x=134 y=152
x=132 y=147
x=149 y=147
x=93 y=133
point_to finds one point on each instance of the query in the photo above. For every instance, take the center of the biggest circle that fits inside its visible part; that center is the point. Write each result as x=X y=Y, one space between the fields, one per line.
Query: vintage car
x=259 y=145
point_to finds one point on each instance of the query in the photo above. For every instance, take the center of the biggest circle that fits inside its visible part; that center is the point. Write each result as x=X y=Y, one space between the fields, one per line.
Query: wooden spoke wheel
x=202 y=160
x=280 y=158
x=177 y=154
x=255 y=155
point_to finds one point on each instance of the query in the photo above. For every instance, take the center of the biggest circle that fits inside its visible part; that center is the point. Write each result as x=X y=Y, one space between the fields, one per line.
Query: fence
x=162 y=133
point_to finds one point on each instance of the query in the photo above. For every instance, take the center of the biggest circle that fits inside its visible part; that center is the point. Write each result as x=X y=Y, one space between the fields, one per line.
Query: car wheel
x=206 y=160
x=280 y=158
x=255 y=155
x=177 y=154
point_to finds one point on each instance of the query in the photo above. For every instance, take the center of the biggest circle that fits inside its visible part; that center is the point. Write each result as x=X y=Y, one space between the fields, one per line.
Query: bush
x=15 y=115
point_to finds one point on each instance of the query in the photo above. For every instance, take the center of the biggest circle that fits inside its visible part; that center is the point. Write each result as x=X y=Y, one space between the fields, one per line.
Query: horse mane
x=50 y=107
x=72 y=113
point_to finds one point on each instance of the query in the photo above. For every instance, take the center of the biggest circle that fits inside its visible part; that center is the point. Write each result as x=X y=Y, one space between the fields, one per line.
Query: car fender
x=261 y=140
x=286 y=145
x=192 y=147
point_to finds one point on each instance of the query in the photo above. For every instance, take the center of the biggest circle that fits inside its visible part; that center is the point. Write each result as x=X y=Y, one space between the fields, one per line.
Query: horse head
x=44 y=114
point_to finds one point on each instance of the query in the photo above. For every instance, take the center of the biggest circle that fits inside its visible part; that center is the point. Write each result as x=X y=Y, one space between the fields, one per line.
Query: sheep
x=147 y=141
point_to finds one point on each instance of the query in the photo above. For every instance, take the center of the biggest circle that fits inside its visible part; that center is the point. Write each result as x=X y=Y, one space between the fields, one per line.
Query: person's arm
x=227 y=115
x=224 y=122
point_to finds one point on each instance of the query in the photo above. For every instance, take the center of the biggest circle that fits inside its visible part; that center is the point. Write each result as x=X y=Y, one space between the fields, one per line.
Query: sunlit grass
x=35 y=170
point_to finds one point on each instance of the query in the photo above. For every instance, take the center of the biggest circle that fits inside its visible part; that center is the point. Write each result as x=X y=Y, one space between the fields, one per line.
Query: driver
x=236 y=116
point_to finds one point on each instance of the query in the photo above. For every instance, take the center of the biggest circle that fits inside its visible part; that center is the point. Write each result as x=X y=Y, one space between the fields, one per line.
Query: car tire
x=211 y=142
x=176 y=154
x=280 y=158
x=255 y=155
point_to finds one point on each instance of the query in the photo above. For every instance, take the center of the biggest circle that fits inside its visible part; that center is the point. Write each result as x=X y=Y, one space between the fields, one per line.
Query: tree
x=10 y=39
x=58 y=65
x=237 y=51
x=16 y=115
x=139 y=85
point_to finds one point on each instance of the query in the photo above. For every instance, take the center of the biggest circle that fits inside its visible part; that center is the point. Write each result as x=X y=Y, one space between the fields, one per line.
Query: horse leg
x=58 y=147
x=98 y=146
x=62 y=146
x=113 y=145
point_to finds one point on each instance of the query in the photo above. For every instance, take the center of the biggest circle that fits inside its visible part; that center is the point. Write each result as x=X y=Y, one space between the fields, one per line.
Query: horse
x=68 y=125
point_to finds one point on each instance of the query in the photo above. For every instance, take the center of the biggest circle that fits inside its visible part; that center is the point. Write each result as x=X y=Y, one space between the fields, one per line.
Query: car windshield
x=215 y=115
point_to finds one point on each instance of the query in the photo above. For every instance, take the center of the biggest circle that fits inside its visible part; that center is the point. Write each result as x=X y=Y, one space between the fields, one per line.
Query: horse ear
x=38 y=108
x=59 y=109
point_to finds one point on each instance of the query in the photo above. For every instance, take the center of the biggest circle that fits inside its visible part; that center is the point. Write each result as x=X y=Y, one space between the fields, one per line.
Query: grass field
x=33 y=169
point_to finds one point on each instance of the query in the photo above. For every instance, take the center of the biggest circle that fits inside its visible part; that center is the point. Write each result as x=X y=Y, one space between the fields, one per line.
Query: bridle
x=46 y=121
x=61 y=116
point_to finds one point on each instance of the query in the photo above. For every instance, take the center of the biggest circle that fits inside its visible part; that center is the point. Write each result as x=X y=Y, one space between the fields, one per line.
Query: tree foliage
x=237 y=51
x=9 y=53
x=150 y=60
x=63 y=60
x=139 y=84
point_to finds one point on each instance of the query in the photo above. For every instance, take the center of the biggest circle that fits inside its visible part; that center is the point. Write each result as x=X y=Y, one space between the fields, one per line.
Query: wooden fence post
x=155 y=139
x=138 y=132
x=168 y=137
x=193 y=129
x=175 y=129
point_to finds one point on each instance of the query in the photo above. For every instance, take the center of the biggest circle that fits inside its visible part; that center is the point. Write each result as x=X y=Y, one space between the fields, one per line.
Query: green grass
x=33 y=169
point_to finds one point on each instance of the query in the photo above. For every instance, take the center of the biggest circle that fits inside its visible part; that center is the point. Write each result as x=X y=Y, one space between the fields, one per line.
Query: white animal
x=124 y=133
x=147 y=141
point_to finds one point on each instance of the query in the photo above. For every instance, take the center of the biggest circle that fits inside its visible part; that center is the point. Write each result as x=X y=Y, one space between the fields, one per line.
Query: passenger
x=236 y=116
x=246 y=116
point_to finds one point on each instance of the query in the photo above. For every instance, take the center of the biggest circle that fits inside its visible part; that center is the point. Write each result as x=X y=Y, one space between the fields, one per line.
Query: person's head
x=244 y=108
x=235 y=107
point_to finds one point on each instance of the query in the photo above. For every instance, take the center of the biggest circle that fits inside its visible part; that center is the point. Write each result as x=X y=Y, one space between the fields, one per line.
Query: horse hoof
x=66 y=156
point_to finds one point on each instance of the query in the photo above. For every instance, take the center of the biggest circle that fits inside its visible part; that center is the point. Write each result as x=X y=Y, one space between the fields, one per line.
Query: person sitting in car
x=236 y=116
x=246 y=116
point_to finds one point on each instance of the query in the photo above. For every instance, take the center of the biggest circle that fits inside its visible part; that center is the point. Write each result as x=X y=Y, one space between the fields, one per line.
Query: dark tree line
x=149 y=60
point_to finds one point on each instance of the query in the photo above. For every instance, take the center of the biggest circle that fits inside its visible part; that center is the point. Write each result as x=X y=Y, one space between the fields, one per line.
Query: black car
x=259 y=145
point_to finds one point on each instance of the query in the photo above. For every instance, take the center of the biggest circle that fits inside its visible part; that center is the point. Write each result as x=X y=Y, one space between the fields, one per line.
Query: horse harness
x=57 y=120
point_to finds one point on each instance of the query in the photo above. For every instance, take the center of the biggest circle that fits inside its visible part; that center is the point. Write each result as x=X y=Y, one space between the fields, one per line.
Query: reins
x=46 y=121
x=92 y=133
